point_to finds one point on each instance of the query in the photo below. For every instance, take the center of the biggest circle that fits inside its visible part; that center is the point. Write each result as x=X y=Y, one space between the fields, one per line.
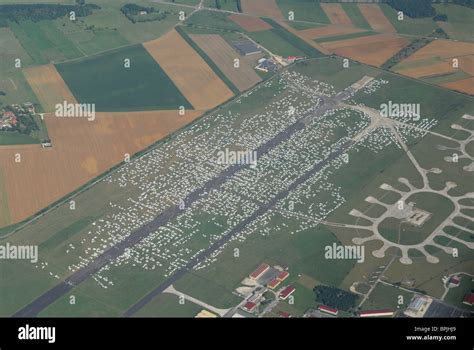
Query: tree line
x=38 y=12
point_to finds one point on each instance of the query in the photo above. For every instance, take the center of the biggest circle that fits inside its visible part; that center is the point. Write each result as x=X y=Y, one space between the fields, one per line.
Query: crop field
x=459 y=24
x=327 y=31
x=191 y=74
x=309 y=11
x=372 y=49
x=250 y=24
x=44 y=42
x=435 y=64
x=81 y=150
x=49 y=86
x=143 y=85
x=336 y=14
x=376 y=18
x=267 y=8
x=224 y=55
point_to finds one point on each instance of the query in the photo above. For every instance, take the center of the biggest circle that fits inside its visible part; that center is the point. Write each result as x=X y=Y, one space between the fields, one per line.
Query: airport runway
x=55 y=293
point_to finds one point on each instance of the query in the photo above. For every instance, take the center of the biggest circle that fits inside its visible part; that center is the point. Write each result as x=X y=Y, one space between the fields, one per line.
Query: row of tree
x=38 y=12
x=335 y=297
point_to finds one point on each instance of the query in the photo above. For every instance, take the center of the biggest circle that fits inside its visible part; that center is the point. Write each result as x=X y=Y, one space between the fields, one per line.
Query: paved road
x=55 y=293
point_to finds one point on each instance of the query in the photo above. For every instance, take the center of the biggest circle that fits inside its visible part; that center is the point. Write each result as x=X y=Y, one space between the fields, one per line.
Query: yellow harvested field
x=330 y=30
x=336 y=14
x=223 y=56
x=428 y=70
x=81 y=151
x=190 y=73
x=373 y=50
x=464 y=85
x=268 y=8
x=49 y=86
x=443 y=49
x=249 y=23
x=376 y=18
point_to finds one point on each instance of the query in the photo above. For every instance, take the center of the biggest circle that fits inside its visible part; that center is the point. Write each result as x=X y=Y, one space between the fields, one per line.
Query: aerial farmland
x=250 y=159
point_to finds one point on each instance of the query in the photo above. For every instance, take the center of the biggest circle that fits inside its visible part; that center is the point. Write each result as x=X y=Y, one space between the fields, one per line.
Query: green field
x=275 y=44
x=456 y=295
x=143 y=86
x=304 y=10
x=229 y=5
x=14 y=138
x=410 y=26
x=387 y=297
x=459 y=25
x=344 y=37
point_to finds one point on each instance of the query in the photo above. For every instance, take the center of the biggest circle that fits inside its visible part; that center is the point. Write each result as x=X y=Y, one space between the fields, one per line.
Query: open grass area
x=459 y=25
x=304 y=10
x=410 y=26
x=143 y=86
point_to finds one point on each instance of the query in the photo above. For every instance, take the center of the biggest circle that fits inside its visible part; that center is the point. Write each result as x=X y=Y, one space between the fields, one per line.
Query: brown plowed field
x=374 y=50
x=81 y=151
x=190 y=73
x=268 y=8
x=336 y=14
x=443 y=49
x=428 y=70
x=49 y=86
x=250 y=24
x=307 y=40
x=330 y=30
x=464 y=85
x=376 y=18
x=223 y=56
x=466 y=63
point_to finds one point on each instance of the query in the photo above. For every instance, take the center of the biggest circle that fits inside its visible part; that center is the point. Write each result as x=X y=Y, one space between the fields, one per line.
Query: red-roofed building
x=284 y=314
x=249 y=306
x=284 y=294
x=283 y=276
x=468 y=299
x=376 y=313
x=259 y=271
x=273 y=283
x=454 y=281
x=328 y=310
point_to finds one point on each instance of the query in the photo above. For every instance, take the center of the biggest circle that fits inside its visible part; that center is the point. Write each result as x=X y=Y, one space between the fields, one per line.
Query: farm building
x=468 y=299
x=328 y=310
x=287 y=292
x=273 y=283
x=246 y=47
x=376 y=313
x=259 y=271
